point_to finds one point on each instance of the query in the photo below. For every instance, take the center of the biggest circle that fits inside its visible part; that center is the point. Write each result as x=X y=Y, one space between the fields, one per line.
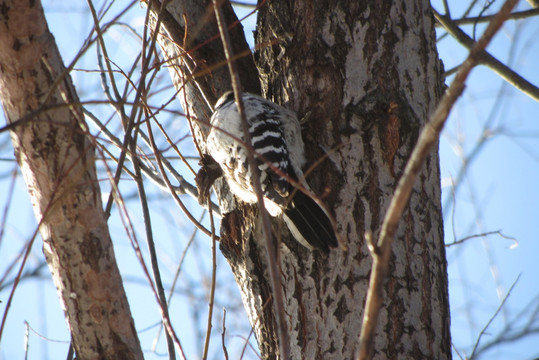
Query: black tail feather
x=311 y=223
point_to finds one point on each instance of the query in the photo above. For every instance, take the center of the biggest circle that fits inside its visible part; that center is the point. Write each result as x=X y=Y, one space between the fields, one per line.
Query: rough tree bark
x=364 y=76
x=370 y=73
x=56 y=155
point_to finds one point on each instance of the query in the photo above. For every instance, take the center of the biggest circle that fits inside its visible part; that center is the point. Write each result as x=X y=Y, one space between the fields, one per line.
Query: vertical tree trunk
x=56 y=155
x=364 y=76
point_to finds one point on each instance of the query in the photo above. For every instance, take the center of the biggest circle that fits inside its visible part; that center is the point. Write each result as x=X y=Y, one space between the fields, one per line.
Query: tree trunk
x=364 y=76
x=369 y=75
x=56 y=155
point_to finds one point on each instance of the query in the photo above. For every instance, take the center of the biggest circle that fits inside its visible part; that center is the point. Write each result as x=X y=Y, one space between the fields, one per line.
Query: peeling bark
x=57 y=160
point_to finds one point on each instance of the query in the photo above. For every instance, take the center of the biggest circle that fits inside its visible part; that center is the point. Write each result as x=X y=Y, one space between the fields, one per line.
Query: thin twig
x=457 y=351
x=45 y=103
x=41 y=336
x=118 y=104
x=131 y=234
x=446 y=9
x=488 y=131
x=507 y=334
x=177 y=275
x=7 y=206
x=487 y=4
x=483 y=57
x=149 y=239
x=482 y=332
x=160 y=161
x=466 y=13
x=247 y=340
x=29 y=245
x=481 y=19
x=213 y=280
x=26 y=339
x=183 y=187
x=130 y=141
x=34 y=273
x=174 y=146
x=223 y=333
x=282 y=331
x=51 y=203
x=499 y=232
x=381 y=251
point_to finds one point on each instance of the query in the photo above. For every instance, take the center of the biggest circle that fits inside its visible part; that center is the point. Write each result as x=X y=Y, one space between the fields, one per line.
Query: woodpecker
x=279 y=154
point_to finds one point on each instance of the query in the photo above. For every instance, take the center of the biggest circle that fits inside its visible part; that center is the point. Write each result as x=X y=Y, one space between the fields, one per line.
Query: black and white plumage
x=276 y=138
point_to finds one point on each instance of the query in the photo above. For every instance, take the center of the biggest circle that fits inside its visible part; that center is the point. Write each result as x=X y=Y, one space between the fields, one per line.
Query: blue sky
x=498 y=192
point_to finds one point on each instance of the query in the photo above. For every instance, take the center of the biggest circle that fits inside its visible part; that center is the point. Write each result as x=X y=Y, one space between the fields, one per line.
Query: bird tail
x=309 y=223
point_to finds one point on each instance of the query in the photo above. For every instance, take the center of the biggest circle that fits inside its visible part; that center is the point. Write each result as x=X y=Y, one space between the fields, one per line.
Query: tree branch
x=275 y=276
x=485 y=58
x=480 y=19
x=482 y=332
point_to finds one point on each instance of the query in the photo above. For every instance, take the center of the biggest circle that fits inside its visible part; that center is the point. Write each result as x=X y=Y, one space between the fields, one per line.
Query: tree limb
x=483 y=57
x=479 y=19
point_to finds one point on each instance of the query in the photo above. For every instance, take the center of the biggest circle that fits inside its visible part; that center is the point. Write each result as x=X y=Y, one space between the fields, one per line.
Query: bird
x=275 y=136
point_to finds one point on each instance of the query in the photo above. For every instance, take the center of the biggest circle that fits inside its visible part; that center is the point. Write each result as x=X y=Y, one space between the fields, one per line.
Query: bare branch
x=485 y=58
x=18 y=277
x=493 y=317
x=498 y=232
x=183 y=187
x=7 y=204
x=225 y=352
x=150 y=242
x=278 y=300
x=508 y=334
x=213 y=281
x=480 y=19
